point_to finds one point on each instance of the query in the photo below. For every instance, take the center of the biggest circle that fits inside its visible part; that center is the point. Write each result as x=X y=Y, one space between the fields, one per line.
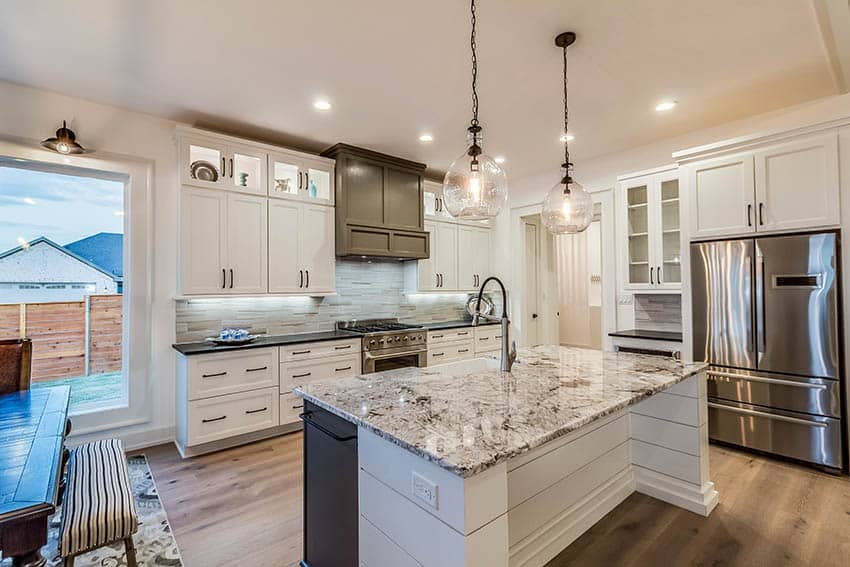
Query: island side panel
x=670 y=450
x=414 y=512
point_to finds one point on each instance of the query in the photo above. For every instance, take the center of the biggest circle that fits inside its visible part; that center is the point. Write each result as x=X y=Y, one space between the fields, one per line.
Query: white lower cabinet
x=488 y=339
x=217 y=418
x=450 y=345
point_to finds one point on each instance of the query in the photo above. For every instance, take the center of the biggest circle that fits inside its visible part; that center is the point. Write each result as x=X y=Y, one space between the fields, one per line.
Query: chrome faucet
x=508 y=347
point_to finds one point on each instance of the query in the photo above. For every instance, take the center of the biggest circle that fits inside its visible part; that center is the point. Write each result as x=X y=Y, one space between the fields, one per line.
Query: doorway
x=531 y=232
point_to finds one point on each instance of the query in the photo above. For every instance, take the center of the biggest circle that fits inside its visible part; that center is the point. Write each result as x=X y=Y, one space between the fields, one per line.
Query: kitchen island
x=462 y=465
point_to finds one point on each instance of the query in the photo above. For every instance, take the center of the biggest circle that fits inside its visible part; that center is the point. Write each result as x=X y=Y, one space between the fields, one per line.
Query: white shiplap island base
x=462 y=465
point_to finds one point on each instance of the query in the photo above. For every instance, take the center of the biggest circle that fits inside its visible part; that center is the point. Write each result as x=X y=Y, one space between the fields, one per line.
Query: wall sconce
x=65 y=142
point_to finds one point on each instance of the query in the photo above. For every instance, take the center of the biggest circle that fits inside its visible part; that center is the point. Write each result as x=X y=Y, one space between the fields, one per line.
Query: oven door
x=393 y=360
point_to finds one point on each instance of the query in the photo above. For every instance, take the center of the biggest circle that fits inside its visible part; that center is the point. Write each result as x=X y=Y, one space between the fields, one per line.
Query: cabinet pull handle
x=483 y=338
x=299 y=180
x=436 y=336
x=308 y=277
x=223 y=168
x=437 y=277
x=761 y=214
x=461 y=333
x=302 y=351
x=223 y=278
x=250 y=411
x=301 y=275
x=651 y=279
x=438 y=354
x=659 y=275
x=213 y=375
x=441 y=280
x=306 y=180
x=231 y=168
x=256 y=369
x=231 y=278
x=301 y=375
x=213 y=419
x=299 y=406
x=342 y=347
x=342 y=369
x=749 y=215
x=463 y=350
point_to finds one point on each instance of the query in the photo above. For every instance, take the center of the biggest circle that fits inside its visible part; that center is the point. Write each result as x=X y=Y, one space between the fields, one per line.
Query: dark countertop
x=266 y=341
x=648 y=335
x=459 y=324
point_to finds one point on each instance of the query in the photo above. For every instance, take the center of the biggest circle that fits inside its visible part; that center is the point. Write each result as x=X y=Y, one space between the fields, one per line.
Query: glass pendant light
x=475 y=186
x=65 y=142
x=567 y=208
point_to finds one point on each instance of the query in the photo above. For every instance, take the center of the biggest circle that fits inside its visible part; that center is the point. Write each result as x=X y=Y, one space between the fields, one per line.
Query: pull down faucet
x=508 y=347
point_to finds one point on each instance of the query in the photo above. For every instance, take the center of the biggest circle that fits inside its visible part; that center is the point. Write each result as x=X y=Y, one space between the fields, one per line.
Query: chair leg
x=131 y=551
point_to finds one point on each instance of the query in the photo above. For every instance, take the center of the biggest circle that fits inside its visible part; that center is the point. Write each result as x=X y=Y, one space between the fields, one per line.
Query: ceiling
x=394 y=70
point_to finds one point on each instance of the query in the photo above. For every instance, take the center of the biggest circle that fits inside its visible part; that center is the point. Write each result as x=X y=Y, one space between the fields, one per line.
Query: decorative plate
x=203 y=170
x=231 y=342
x=486 y=305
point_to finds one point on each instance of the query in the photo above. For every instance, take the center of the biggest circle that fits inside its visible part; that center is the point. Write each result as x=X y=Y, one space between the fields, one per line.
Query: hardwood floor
x=243 y=507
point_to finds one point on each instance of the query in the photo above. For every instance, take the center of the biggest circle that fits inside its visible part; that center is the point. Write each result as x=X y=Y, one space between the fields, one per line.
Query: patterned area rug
x=155 y=544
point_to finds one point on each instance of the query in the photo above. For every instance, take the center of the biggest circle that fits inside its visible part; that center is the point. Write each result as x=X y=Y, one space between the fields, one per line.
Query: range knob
x=398 y=339
x=373 y=342
x=406 y=338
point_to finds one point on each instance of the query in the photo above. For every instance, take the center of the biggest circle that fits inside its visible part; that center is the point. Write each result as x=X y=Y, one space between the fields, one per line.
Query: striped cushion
x=98 y=506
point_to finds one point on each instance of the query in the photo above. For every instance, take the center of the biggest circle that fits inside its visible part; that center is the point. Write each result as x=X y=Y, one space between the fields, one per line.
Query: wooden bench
x=97 y=507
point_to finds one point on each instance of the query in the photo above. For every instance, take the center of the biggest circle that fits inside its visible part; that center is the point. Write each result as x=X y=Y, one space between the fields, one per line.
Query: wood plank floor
x=243 y=507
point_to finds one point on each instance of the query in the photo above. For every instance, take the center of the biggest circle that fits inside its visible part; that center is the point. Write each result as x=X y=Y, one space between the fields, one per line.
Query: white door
x=446 y=257
x=466 y=253
x=797 y=184
x=247 y=242
x=532 y=276
x=246 y=170
x=203 y=221
x=427 y=268
x=285 y=273
x=722 y=195
x=317 y=248
x=203 y=162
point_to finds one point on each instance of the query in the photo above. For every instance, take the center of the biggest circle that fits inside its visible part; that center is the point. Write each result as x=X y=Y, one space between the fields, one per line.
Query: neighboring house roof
x=45 y=240
x=104 y=249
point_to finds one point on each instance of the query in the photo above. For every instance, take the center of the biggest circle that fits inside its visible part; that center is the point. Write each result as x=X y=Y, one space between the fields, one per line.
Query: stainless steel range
x=388 y=344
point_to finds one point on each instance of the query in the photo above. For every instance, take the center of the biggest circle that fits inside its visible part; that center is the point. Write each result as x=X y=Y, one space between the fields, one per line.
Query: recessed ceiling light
x=566 y=138
x=666 y=105
x=426 y=138
x=499 y=159
x=321 y=104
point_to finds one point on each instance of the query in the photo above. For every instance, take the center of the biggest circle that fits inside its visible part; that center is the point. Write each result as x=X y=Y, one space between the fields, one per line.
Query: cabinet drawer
x=234 y=414
x=488 y=338
x=449 y=335
x=291 y=406
x=441 y=354
x=307 y=351
x=230 y=372
x=293 y=374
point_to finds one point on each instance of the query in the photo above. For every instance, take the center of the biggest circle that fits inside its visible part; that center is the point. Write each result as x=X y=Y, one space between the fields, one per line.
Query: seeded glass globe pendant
x=567 y=208
x=475 y=186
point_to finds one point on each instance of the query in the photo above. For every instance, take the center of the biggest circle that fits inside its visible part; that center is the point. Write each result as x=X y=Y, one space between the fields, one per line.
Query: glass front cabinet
x=213 y=164
x=651 y=243
x=301 y=178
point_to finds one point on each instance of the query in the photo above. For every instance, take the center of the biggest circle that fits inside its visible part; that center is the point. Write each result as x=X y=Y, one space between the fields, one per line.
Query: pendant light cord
x=566 y=120
x=474 y=122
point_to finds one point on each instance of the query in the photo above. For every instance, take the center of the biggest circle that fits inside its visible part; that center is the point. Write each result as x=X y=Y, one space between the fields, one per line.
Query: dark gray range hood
x=379 y=206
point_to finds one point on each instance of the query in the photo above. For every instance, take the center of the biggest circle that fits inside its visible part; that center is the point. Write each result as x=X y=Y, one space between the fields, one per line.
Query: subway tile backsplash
x=658 y=312
x=365 y=290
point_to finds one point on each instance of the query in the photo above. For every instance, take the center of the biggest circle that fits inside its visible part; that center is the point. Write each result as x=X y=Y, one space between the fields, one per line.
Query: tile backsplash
x=658 y=312
x=365 y=290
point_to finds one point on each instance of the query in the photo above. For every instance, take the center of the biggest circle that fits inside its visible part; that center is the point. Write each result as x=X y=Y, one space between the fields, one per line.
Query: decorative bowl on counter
x=232 y=337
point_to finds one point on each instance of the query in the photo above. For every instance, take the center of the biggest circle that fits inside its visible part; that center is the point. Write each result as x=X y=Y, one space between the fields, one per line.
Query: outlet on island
x=424 y=490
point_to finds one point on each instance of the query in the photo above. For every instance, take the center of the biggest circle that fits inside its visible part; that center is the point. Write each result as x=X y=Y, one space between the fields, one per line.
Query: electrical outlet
x=424 y=490
x=625 y=299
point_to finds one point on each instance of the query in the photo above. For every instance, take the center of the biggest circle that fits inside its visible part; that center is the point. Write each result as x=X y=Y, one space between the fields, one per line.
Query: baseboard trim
x=132 y=441
x=697 y=499
x=229 y=443
x=541 y=547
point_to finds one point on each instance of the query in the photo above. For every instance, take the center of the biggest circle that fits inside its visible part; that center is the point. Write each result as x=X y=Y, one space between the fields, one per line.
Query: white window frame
x=137 y=176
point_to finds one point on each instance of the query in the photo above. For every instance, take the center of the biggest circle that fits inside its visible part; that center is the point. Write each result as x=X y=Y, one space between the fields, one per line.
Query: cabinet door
x=722 y=193
x=203 y=163
x=427 y=268
x=466 y=252
x=446 y=256
x=317 y=248
x=668 y=244
x=319 y=181
x=402 y=190
x=286 y=176
x=203 y=219
x=639 y=271
x=247 y=242
x=797 y=184
x=433 y=200
x=286 y=275
x=246 y=171
x=481 y=260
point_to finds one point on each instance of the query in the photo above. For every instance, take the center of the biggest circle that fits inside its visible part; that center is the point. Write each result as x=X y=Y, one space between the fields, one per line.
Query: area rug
x=155 y=544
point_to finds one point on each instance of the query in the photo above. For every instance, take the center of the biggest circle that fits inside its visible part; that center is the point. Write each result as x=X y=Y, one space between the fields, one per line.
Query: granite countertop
x=471 y=422
x=649 y=335
x=266 y=341
x=459 y=324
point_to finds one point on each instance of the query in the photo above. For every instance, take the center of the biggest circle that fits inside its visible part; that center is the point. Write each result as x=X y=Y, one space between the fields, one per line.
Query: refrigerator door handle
x=760 y=314
x=777 y=417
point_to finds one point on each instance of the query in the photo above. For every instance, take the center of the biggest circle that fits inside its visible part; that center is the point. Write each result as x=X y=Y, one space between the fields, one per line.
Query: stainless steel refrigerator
x=766 y=318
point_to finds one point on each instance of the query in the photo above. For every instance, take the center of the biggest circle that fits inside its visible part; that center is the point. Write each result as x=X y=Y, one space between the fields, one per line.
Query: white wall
x=33 y=114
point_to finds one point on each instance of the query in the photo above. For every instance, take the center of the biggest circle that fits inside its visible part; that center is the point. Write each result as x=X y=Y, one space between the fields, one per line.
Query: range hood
x=379 y=205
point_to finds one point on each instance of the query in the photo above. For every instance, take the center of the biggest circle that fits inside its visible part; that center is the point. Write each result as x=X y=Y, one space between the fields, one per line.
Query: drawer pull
x=256 y=369
x=302 y=351
x=300 y=406
x=250 y=411
x=213 y=375
x=463 y=350
x=436 y=336
x=213 y=419
x=342 y=369
x=301 y=375
x=483 y=338
x=342 y=347
x=438 y=354
x=463 y=333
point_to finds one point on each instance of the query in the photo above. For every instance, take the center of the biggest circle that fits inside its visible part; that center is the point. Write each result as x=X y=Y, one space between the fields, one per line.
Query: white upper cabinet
x=301 y=247
x=203 y=237
x=317 y=248
x=473 y=257
x=445 y=252
x=433 y=197
x=293 y=176
x=650 y=217
x=459 y=259
x=722 y=196
x=793 y=185
x=246 y=170
x=797 y=184
x=247 y=241
x=425 y=270
x=206 y=162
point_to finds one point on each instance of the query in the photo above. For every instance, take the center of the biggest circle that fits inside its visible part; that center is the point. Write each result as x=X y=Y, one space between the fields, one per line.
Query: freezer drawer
x=792 y=393
x=814 y=439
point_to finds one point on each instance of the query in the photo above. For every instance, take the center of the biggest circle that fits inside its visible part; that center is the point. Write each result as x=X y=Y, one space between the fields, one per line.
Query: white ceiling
x=394 y=69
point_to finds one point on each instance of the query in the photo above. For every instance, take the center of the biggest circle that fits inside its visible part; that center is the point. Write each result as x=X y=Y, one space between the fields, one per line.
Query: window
x=61 y=275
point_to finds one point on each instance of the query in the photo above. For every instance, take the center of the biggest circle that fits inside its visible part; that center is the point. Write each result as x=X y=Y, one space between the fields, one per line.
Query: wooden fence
x=70 y=338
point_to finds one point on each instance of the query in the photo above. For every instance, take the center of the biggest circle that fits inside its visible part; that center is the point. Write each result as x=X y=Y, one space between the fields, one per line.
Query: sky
x=64 y=208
